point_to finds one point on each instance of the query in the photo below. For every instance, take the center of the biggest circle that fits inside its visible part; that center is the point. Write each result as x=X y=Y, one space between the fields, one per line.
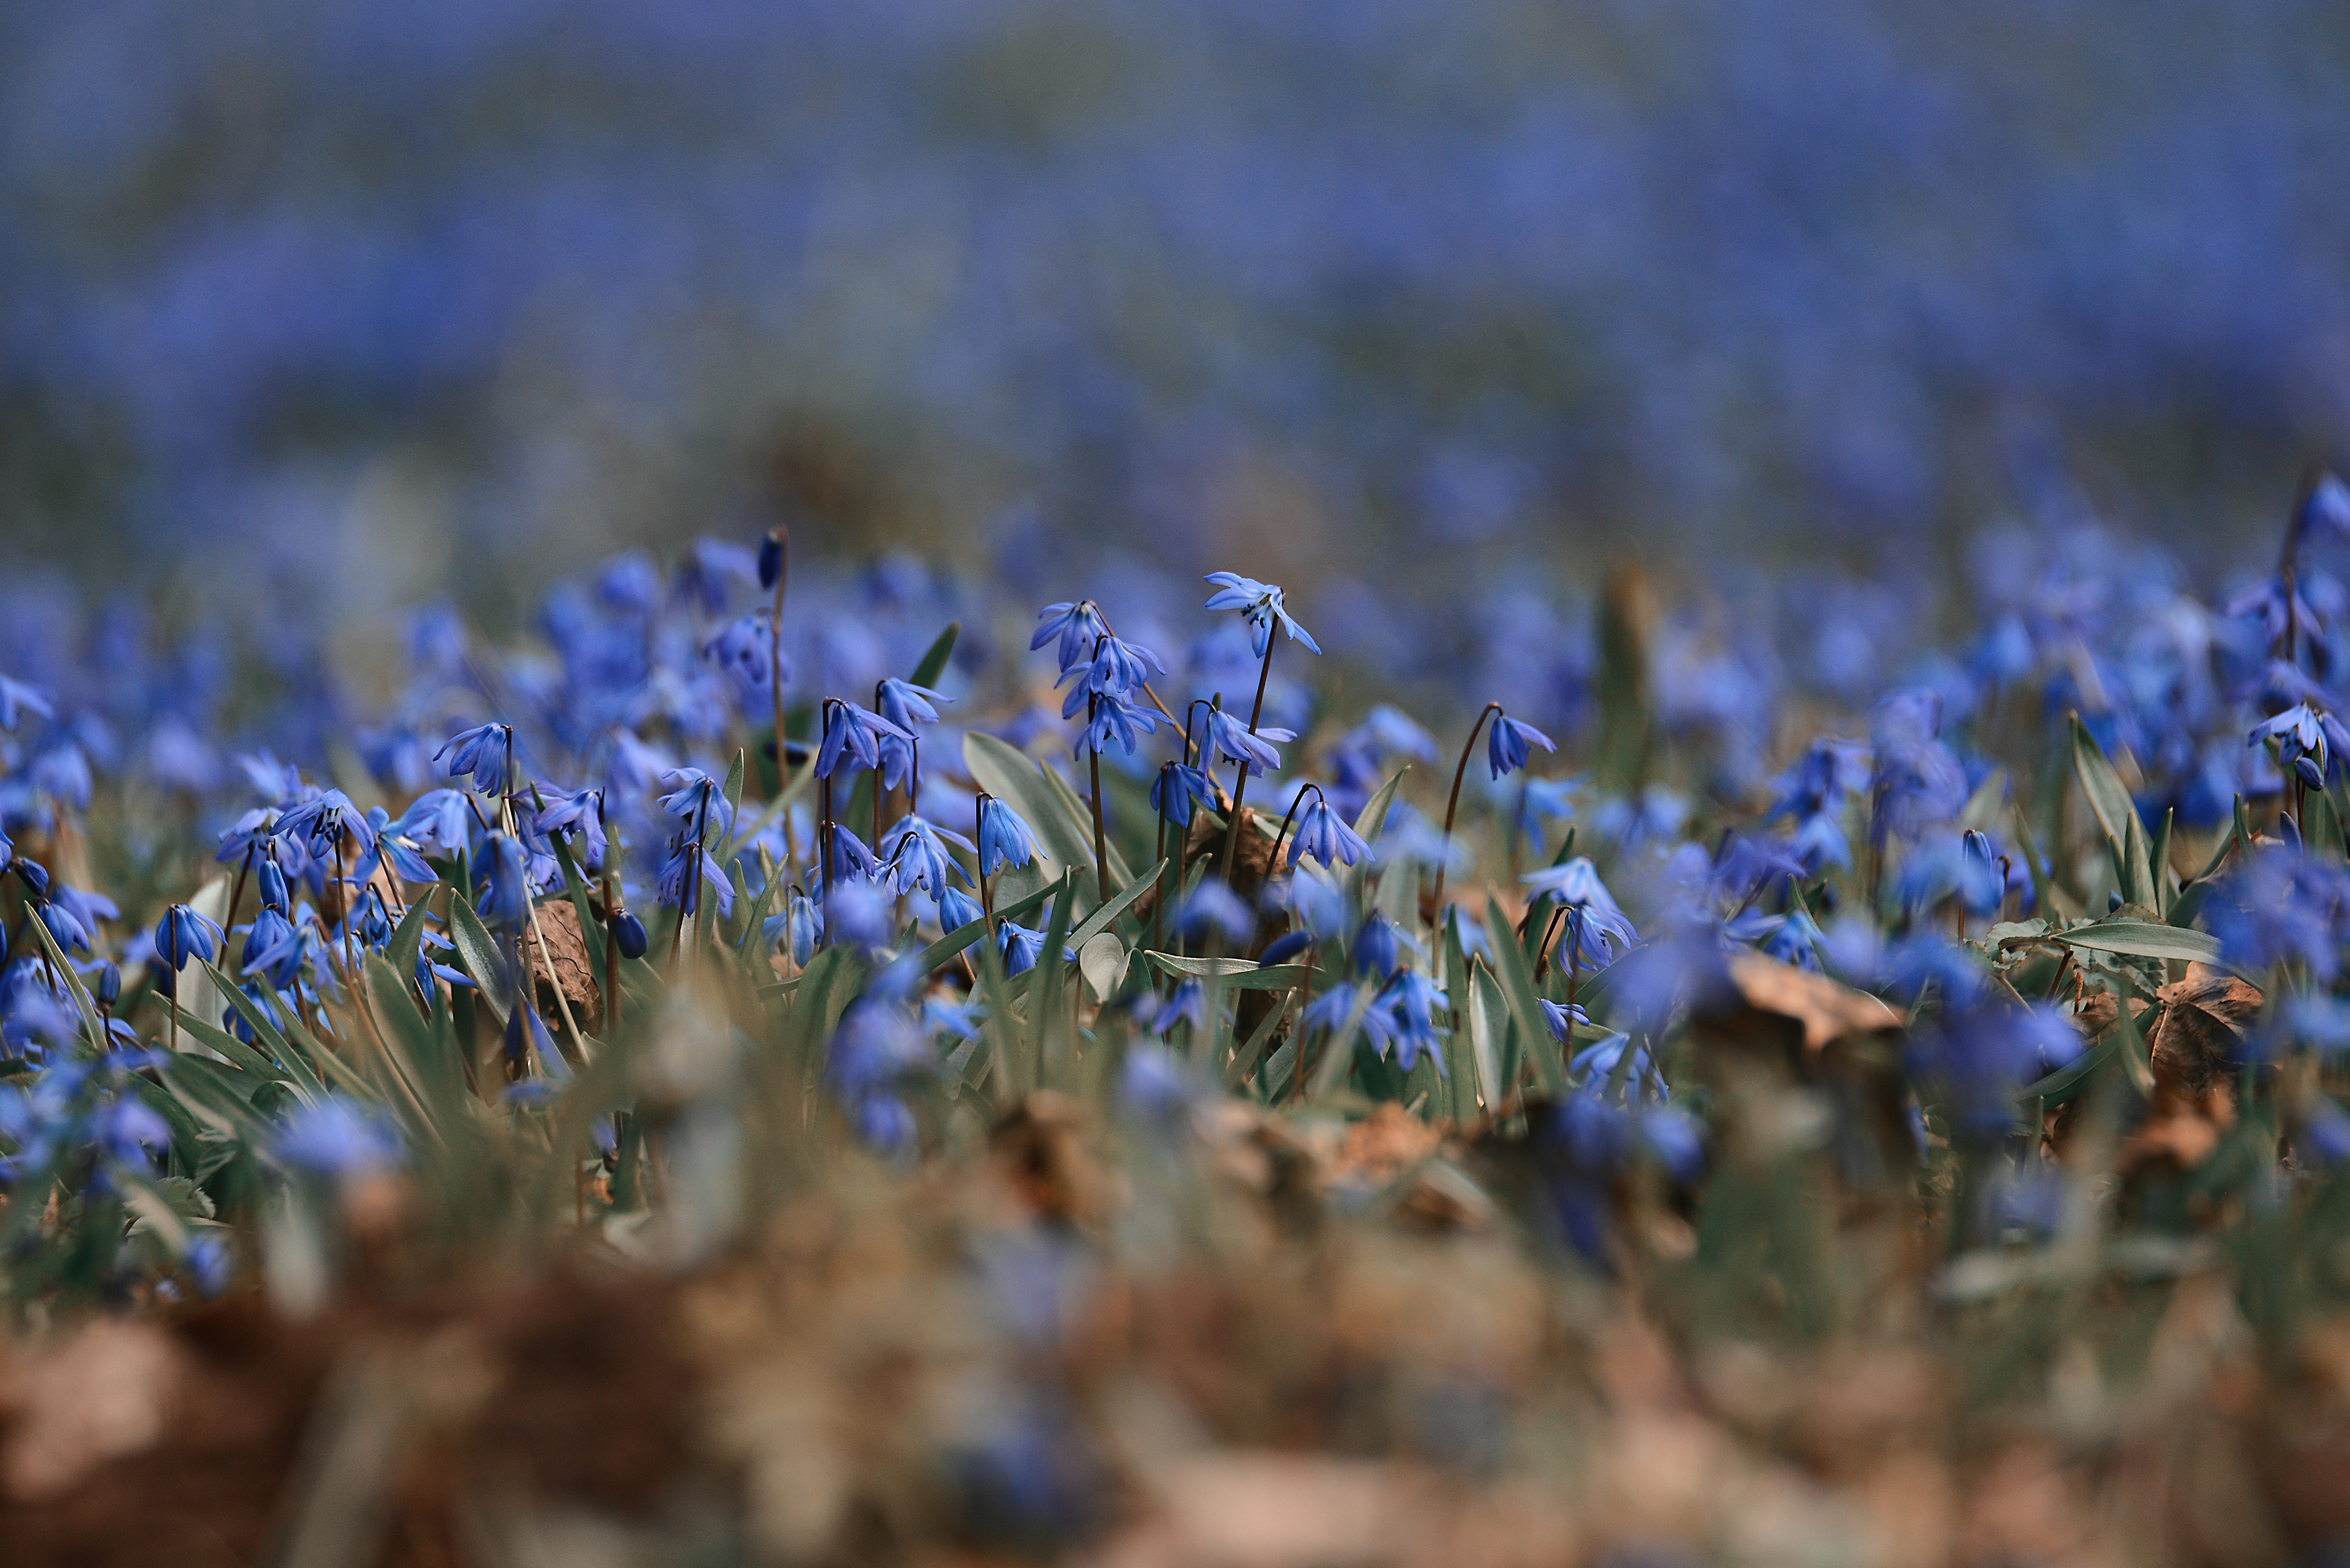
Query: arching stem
x=1453 y=804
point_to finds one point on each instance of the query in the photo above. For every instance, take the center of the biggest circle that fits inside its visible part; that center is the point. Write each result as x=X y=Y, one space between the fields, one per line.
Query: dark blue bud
x=771 y=558
x=629 y=932
x=1282 y=949
x=32 y=874
x=2310 y=772
x=272 y=882
x=2113 y=902
x=107 y=985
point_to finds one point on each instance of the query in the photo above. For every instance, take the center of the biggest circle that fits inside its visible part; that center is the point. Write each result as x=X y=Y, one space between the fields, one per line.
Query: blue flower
x=577 y=812
x=1405 y=1013
x=1376 y=950
x=628 y=933
x=1506 y=744
x=854 y=735
x=1175 y=788
x=334 y=1138
x=2303 y=731
x=695 y=800
x=503 y=875
x=1187 y=1003
x=321 y=824
x=1325 y=834
x=1022 y=946
x=1229 y=738
x=857 y=911
x=914 y=853
x=16 y=699
x=1114 y=718
x=1594 y=920
x=745 y=653
x=182 y=936
x=1004 y=838
x=483 y=751
x=957 y=908
x=2282 y=905
x=709 y=572
x=1077 y=624
x=1261 y=603
x=1212 y=907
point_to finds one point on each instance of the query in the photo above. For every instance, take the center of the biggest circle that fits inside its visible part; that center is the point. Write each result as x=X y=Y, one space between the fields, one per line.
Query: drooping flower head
x=1004 y=837
x=483 y=751
x=854 y=735
x=182 y=936
x=1325 y=835
x=1507 y=741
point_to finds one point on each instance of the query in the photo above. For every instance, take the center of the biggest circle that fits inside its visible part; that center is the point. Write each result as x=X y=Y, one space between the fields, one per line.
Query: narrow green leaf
x=2142 y=938
x=1488 y=1024
x=478 y=954
x=244 y=1056
x=1233 y=973
x=733 y=788
x=2321 y=830
x=1051 y=1043
x=2103 y=786
x=2157 y=861
x=1253 y=1049
x=408 y=936
x=92 y=1025
x=934 y=662
x=1510 y=967
x=1099 y=920
x=2134 y=1061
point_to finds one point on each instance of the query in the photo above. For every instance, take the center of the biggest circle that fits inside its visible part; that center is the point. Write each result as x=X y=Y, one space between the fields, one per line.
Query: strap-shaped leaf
x=1232 y=973
x=933 y=663
x=1017 y=780
x=2108 y=799
x=479 y=954
x=2143 y=939
x=1509 y=961
x=1099 y=920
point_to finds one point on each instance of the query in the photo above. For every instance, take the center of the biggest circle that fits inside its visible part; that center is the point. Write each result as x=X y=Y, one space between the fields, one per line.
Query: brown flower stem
x=1453 y=804
x=1239 y=779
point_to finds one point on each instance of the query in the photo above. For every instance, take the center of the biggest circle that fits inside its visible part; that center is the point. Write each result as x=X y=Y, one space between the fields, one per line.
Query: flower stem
x=1453 y=804
x=776 y=688
x=1287 y=818
x=1239 y=779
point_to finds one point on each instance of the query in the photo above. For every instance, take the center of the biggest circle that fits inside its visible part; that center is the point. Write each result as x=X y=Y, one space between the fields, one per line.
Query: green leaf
x=1253 y=1049
x=733 y=788
x=1099 y=920
x=2103 y=786
x=1372 y=820
x=2321 y=830
x=955 y=940
x=1517 y=980
x=2031 y=861
x=2142 y=938
x=91 y=1024
x=1017 y=780
x=241 y=1055
x=1103 y=961
x=2157 y=860
x=1051 y=1043
x=1232 y=973
x=265 y=1028
x=408 y=936
x=934 y=663
x=440 y=1077
x=1120 y=873
x=2134 y=1061
x=1488 y=1024
x=479 y=954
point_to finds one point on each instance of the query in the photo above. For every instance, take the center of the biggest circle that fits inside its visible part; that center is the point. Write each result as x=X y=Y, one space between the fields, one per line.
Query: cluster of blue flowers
x=985 y=884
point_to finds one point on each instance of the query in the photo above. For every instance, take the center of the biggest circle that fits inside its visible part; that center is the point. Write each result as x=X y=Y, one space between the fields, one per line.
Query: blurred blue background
x=319 y=309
